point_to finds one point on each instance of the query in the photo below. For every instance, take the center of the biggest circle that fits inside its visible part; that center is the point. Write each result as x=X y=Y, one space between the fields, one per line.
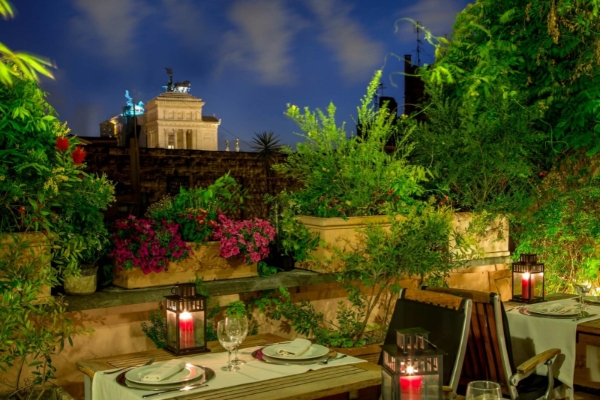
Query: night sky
x=246 y=59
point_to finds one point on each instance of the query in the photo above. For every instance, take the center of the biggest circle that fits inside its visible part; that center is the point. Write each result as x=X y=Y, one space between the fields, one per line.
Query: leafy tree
x=19 y=63
x=547 y=51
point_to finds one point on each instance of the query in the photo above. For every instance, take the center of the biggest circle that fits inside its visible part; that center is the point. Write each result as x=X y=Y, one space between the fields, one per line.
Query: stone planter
x=334 y=232
x=205 y=263
x=494 y=243
x=342 y=233
x=84 y=284
x=40 y=248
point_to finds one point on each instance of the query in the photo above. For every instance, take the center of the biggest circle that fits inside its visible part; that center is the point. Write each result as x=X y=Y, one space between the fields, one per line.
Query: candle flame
x=410 y=370
x=526 y=275
x=185 y=315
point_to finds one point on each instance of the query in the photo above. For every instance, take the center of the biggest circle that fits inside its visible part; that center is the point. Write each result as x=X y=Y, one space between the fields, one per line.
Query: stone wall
x=162 y=171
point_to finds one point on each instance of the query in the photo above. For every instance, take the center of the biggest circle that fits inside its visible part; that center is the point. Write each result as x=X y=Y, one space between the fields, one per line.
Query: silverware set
x=127 y=368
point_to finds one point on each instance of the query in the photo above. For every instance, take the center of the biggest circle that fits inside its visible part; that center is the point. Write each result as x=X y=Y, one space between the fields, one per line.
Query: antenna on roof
x=418 y=31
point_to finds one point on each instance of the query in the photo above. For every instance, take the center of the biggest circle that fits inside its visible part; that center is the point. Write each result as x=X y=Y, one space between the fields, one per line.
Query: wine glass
x=582 y=288
x=483 y=390
x=228 y=334
x=242 y=320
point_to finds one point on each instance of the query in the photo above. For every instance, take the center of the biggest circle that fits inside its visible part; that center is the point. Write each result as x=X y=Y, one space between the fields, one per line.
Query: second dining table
x=533 y=334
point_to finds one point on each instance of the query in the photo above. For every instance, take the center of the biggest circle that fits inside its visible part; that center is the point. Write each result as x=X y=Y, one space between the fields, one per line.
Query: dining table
x=345 y=377
x=533 y=333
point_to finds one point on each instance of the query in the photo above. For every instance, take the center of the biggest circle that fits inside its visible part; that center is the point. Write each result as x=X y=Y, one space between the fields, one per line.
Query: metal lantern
x=186 y=320
x=412 y=369
x=528 y=279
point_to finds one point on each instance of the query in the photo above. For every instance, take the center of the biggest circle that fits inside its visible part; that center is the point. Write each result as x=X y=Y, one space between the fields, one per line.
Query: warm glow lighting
x=410 y=370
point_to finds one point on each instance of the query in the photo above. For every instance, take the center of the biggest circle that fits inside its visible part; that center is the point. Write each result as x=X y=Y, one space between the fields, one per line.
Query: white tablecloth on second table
x=533 y=335
x=105 y=387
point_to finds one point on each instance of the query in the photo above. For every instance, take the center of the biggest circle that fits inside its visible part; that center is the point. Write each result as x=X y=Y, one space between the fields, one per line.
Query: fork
x=124 y=368
x=333 y=358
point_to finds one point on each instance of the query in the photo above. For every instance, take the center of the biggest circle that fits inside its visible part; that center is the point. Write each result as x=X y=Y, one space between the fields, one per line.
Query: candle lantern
x=528 y=279
x=412 y=369
x=186 y=320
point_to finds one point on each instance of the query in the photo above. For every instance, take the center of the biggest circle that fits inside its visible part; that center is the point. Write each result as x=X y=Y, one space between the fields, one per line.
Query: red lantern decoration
x=186 y=320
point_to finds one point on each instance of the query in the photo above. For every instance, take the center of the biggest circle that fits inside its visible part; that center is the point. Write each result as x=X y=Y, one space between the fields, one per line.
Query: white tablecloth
x=105 y=387
x=533 y=335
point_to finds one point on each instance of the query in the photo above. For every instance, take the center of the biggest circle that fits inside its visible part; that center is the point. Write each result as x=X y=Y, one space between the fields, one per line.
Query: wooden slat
x=431 y=297
x=312 y=385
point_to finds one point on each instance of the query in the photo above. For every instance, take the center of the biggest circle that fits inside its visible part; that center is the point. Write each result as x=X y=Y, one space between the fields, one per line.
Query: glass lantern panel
x=537 y=282
x=386 y=385
x=171 y=329
x=521 y=285
x=198 y=320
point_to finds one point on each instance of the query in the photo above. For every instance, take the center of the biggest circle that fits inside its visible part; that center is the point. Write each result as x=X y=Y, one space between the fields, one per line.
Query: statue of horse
x=182 y=84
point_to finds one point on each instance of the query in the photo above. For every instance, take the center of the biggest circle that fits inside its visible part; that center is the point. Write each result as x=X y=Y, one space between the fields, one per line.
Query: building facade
x=171 y=120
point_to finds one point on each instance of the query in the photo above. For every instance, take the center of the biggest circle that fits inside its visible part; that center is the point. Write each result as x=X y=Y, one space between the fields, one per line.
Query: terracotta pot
x=205 y=263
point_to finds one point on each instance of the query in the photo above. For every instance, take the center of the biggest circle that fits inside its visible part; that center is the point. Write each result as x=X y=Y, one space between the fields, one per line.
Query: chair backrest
x=446 y=317
x=489 y=351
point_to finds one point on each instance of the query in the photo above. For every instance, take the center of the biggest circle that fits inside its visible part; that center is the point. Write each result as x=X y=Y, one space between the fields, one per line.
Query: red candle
x=186 y=330
x=410 y=386
x=525 y=286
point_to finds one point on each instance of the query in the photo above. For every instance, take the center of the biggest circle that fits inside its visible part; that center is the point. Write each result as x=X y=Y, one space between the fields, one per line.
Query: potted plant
x=349 y=180
x=42 y=182
x=372 y=269
x=293 y=241
x=196 y=238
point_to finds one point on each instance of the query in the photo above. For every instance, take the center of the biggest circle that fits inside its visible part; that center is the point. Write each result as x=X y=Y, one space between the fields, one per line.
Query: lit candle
x=410 y=386
x=525 y=286
x=186 y=330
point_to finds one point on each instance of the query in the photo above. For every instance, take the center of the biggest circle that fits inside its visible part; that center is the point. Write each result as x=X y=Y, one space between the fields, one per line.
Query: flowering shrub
x=249 y=238
x=198 y=224
x=141 y=243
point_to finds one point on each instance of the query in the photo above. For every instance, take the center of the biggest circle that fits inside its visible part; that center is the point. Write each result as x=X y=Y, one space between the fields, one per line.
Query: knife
x=183 y=389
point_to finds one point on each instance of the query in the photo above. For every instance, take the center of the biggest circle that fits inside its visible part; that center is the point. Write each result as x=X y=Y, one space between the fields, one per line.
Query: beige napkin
x=295 y=348
x=166 y=370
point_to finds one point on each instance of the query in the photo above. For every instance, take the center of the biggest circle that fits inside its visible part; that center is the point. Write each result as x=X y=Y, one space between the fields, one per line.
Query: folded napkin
x=295 y=348
x=166 y=370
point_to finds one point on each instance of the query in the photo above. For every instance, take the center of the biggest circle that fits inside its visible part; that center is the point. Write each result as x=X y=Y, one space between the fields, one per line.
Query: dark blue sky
x=246 y=59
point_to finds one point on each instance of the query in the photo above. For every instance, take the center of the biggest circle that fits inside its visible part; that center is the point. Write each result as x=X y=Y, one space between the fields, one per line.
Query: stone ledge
x=114 y=296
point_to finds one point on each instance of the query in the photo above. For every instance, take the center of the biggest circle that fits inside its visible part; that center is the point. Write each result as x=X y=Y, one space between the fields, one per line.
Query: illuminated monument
x=171 y=120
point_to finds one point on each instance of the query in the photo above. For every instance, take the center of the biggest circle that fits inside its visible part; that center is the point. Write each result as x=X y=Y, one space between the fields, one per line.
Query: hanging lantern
x=186 y=320
x=412 y=369
x=528 y=279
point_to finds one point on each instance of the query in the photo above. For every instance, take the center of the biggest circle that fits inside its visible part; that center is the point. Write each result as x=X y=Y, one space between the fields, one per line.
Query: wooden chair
x=489 y=351
x=446 y=317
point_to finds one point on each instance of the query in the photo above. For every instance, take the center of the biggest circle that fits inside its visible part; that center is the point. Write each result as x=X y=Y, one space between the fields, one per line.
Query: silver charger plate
x=208 y=375
x=526 y=311
x=258 y=355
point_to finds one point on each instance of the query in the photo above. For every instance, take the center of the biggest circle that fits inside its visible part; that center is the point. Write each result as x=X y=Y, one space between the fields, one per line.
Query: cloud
x=261 y=40
x=107 y=28
x=357 y=54
x=185 y=19
x=435 y=18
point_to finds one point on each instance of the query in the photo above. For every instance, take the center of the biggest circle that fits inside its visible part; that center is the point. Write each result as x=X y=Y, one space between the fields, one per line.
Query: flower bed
x=204 y=262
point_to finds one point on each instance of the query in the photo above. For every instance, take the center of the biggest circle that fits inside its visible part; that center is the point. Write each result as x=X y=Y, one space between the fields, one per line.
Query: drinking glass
x=483 y=390
x=228 y=334
x=243 y=322
x=582 y=288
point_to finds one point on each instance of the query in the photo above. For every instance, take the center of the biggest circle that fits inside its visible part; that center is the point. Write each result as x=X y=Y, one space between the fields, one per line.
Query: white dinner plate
x=188 y=373
x=592 y=299
x=314 y=351
x=564 y=310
